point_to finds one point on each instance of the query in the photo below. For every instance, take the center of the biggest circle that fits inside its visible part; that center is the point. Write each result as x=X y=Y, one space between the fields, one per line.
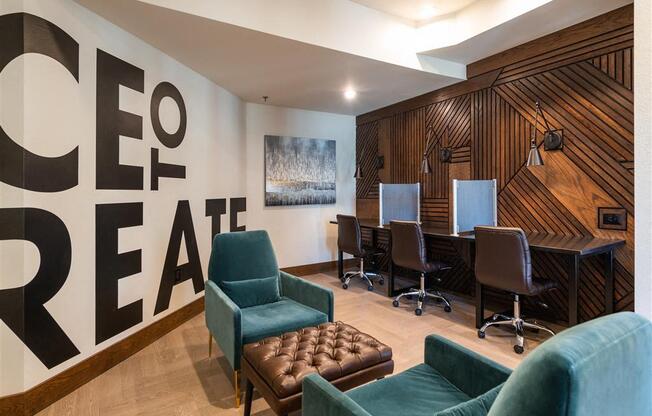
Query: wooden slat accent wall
x=583 y=77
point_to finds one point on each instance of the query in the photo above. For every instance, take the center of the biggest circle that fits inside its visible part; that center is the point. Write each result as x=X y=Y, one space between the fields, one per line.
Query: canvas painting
x=299 y=171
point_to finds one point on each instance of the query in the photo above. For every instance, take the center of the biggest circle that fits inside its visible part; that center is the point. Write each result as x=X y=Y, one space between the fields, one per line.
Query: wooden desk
x=575 y=248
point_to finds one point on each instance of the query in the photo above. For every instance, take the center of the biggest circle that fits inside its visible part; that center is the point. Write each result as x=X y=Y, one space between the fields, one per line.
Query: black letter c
x=22 y=33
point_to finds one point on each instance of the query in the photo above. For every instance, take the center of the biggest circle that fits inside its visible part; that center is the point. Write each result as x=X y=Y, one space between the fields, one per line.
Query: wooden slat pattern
x=435 y=211
x=585 y=86
x=617 y=65
x=366 y=150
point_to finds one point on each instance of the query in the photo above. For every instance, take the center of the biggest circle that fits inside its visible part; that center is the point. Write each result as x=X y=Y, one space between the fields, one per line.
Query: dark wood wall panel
x=366 y=150
x=583 y=78
x=618 y=66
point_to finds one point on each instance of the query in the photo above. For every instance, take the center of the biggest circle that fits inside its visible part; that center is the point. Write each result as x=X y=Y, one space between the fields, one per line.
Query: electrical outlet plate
x=612 y=218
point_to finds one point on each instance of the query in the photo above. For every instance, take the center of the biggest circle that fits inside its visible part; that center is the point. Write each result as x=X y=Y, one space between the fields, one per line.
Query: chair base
x=365 y=276
x=422 y=294
x=517 y=322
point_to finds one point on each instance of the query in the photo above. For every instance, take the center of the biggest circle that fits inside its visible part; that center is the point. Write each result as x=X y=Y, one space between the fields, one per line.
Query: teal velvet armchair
x=601 y=367
x=245 y=258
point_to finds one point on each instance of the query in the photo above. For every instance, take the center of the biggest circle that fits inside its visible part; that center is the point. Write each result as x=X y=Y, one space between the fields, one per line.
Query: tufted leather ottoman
x=340 y=353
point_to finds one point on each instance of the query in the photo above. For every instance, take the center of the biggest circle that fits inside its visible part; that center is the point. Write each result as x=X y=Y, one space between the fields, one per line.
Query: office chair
x=349 y=240
x=502 y=261
x=409 y=251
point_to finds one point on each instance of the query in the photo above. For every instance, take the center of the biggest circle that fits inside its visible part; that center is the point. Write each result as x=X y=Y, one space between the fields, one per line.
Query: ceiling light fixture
x=350 y=94
x=427 y=12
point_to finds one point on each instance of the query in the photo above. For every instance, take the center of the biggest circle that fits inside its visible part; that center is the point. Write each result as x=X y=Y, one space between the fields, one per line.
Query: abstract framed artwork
x=299 y=171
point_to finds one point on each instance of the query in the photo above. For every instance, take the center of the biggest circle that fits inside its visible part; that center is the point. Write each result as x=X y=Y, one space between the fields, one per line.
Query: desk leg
x=573 y=283
x=340 y=264
x=390 y=279
x=609 y=282
x=479 y=305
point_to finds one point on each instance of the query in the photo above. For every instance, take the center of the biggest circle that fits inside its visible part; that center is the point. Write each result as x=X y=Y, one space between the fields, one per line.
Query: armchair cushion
x=421 y=390
x=475 y=407
x=271 y=319
x=252 y=292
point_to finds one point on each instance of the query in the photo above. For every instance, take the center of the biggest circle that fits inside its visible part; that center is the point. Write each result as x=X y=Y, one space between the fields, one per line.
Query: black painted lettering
x=111 y=266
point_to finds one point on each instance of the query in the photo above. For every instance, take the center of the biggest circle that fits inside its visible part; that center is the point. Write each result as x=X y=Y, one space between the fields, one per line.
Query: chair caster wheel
x=381 y=282
x=345 y=286
x=518 y=349
x=418 y=311
x=395 y=304
x=342 y=279
x=370 y=288
x=447 y=308
x=480 y=334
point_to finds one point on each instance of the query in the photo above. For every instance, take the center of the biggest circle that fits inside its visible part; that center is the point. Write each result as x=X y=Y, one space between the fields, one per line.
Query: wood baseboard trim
x=308 y=269
x=53 y=389
x=41 y=396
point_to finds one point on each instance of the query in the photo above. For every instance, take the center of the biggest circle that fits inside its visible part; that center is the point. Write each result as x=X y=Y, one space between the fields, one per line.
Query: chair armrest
x=468 y=371
x=223 y=319
x=320 y=398
x=307 y=293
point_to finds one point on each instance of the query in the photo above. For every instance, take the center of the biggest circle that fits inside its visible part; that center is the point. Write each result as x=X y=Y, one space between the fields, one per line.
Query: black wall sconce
x=552 y=139
x=358 y=171
x=445 y=154
x=380 y=162
x=358 y=167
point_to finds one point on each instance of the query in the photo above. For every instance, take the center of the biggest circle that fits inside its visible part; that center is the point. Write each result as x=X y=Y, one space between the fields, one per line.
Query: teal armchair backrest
x=601 y=367
x=241 y=256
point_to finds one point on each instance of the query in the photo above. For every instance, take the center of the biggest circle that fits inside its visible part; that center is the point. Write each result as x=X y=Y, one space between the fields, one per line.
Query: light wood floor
x=174 y=376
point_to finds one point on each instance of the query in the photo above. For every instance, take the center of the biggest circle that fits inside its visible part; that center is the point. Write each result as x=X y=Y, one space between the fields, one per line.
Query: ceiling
x=253 y=64
x=310 y=69
x=534 y=24
x=416 y=11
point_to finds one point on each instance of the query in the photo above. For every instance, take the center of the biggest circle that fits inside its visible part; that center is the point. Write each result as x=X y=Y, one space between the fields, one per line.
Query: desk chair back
x=502 y=259
x=349 y=237
x=408 y=246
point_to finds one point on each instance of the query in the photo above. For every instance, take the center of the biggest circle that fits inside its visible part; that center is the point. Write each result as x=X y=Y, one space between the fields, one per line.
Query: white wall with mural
x=301 y=234
x=117 y=166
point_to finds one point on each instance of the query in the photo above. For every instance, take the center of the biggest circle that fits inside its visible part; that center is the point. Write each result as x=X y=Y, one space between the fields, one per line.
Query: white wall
x=45 y=110
x=302 y=234
x=59 y=114
x=643 y=155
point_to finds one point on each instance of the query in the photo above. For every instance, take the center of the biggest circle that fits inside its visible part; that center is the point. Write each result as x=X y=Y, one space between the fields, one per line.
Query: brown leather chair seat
x=338 y=352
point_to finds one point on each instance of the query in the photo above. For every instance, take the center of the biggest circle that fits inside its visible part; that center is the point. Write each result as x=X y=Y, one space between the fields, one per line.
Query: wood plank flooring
x=174 y=376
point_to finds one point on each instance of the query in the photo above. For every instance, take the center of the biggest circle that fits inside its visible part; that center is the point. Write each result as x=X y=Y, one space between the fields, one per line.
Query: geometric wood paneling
x=618 y=66
x=582 y=76
x=366 y=151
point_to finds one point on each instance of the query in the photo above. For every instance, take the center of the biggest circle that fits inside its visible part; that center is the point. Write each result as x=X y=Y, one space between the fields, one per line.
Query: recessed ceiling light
x=350 y=93
x=428 y=12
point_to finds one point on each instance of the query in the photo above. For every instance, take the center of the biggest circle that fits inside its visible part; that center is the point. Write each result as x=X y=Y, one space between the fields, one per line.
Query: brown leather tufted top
x=332 y=349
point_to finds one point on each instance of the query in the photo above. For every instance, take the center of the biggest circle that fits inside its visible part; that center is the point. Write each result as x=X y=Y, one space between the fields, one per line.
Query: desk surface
x=563 y=244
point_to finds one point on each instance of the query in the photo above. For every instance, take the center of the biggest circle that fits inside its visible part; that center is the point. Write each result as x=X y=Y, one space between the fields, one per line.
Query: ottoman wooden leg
x=249 y=393
x=236 y=383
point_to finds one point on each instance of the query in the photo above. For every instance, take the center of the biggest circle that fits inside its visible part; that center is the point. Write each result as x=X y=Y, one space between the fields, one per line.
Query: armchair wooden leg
x=236 y=382
x=210 y=345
